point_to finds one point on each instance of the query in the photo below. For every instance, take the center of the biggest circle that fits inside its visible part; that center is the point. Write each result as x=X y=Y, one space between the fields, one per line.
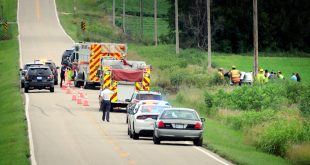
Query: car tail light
x=161 y=124
x=51 y=77
x=198 y=125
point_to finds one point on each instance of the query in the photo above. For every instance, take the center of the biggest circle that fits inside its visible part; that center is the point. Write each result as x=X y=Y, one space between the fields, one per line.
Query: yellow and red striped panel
x=146 y=83
x=138 y=86
x=115 y=90
x=94 y=61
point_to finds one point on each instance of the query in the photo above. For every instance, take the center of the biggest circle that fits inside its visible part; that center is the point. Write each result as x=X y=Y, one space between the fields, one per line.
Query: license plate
x=179 y=126
x=39 y=78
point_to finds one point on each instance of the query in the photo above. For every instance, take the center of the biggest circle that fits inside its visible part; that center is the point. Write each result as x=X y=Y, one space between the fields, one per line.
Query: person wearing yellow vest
x=235 y=75
x=280 y=75
x=221 y=73
x=261 y=76
x=69 y=74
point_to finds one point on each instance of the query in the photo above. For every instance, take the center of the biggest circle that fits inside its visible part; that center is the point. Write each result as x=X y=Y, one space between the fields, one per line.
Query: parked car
x=142 y=95
x=39 y=77
x=179 y=124
x=54 y=70
x=24 y=70
x=141 y=118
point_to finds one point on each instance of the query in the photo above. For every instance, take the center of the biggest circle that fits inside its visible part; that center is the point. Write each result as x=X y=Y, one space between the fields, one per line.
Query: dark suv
x=53 y=68
x=39 y=77
x=24 y=71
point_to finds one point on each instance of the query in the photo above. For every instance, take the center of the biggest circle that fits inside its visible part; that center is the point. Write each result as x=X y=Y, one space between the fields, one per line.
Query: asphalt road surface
x=70 y=134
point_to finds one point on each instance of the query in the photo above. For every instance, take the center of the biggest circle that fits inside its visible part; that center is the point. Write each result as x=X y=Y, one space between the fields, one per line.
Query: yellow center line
x=38 y=9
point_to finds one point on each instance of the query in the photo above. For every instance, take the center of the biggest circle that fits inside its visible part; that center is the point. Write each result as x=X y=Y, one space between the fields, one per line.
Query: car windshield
x=39 y=71
x=148 y=97
x=152 y=108
x=179 y=114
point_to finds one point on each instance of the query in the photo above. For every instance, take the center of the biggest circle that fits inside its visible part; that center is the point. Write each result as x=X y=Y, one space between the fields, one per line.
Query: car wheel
x=130 y=132
x=135 y=135
x=52 y=89
x=156 y=140
x=198 y=142
x=127 y=119
x=26 y=89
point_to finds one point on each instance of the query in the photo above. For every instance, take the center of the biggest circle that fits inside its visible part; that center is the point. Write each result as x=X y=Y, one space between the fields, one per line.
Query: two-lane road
x=66 y=133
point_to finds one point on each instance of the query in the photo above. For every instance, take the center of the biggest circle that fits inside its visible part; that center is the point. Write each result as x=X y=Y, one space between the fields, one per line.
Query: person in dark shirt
x=62 y=74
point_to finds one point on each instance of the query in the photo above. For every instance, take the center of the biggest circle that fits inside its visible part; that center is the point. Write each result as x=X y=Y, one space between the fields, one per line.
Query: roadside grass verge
x=14 y=147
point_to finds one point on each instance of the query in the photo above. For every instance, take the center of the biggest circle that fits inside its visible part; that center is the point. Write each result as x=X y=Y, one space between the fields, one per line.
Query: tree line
x=282 y=25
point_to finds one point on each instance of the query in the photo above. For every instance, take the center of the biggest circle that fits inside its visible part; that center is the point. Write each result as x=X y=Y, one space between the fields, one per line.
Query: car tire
x=135 y=135
x=26 y=89
x=198 y=142
x=156 y=140
x=52 y=89
x=130 y=133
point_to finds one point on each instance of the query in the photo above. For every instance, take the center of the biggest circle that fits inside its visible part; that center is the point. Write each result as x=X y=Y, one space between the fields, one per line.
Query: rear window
x=39 y=71
x=179 y=114
x=148 y=97
x=152 y=108
x=28 y=65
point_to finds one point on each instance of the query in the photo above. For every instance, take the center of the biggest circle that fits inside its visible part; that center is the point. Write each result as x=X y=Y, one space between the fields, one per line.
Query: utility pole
x=74 y=8
x=209 y=35
x=177 y=47
x=124 y=30
x=141 y=20
x=255 y=37
x=155 y=22
x=113 y=15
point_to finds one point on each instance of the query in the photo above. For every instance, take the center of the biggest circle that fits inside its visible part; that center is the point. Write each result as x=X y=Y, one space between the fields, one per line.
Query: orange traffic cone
x=73 y=97
x=85 y=101
x=79 y=100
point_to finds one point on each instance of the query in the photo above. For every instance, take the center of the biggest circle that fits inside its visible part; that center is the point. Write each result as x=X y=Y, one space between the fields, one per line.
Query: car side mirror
x=127 y=100
x=202 y=119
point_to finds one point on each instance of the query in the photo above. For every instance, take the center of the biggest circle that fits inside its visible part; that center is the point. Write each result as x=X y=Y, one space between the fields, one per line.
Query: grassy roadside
x=13 y=135
x=220 y=138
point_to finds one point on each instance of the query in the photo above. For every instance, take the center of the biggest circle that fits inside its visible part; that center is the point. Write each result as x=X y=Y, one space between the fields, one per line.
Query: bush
x=304 y=105
x=293 y=91
x=250 y=118
x=276 y=137
x=299 y=154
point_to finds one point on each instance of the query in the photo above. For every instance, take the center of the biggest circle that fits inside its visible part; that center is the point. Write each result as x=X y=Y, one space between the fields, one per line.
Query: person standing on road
x=105 y=106
x=62 y=74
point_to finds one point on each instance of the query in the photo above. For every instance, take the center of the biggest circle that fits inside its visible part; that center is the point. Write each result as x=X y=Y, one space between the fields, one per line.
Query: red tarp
x=127 y=75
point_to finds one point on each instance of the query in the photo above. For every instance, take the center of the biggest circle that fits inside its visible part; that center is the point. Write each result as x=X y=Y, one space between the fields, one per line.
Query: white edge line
x=32 y=155
x=56 y=13
x=211 y=155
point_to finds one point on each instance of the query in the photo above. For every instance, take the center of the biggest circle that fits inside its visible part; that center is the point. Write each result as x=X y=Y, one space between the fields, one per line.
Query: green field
x=13 y=130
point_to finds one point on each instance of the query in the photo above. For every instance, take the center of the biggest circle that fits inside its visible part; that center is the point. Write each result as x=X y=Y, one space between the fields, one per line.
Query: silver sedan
x=179 y=124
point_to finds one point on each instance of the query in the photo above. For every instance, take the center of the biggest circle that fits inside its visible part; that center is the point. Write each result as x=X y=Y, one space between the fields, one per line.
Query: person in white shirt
x=105 y=106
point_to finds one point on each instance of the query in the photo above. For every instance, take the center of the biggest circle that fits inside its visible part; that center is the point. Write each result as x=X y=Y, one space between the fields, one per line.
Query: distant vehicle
x=179 y=124
x=141 y=118
x=53 y=68
x=142 y=95
x=24 y=70
x=39 y=77
x=67 y=56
